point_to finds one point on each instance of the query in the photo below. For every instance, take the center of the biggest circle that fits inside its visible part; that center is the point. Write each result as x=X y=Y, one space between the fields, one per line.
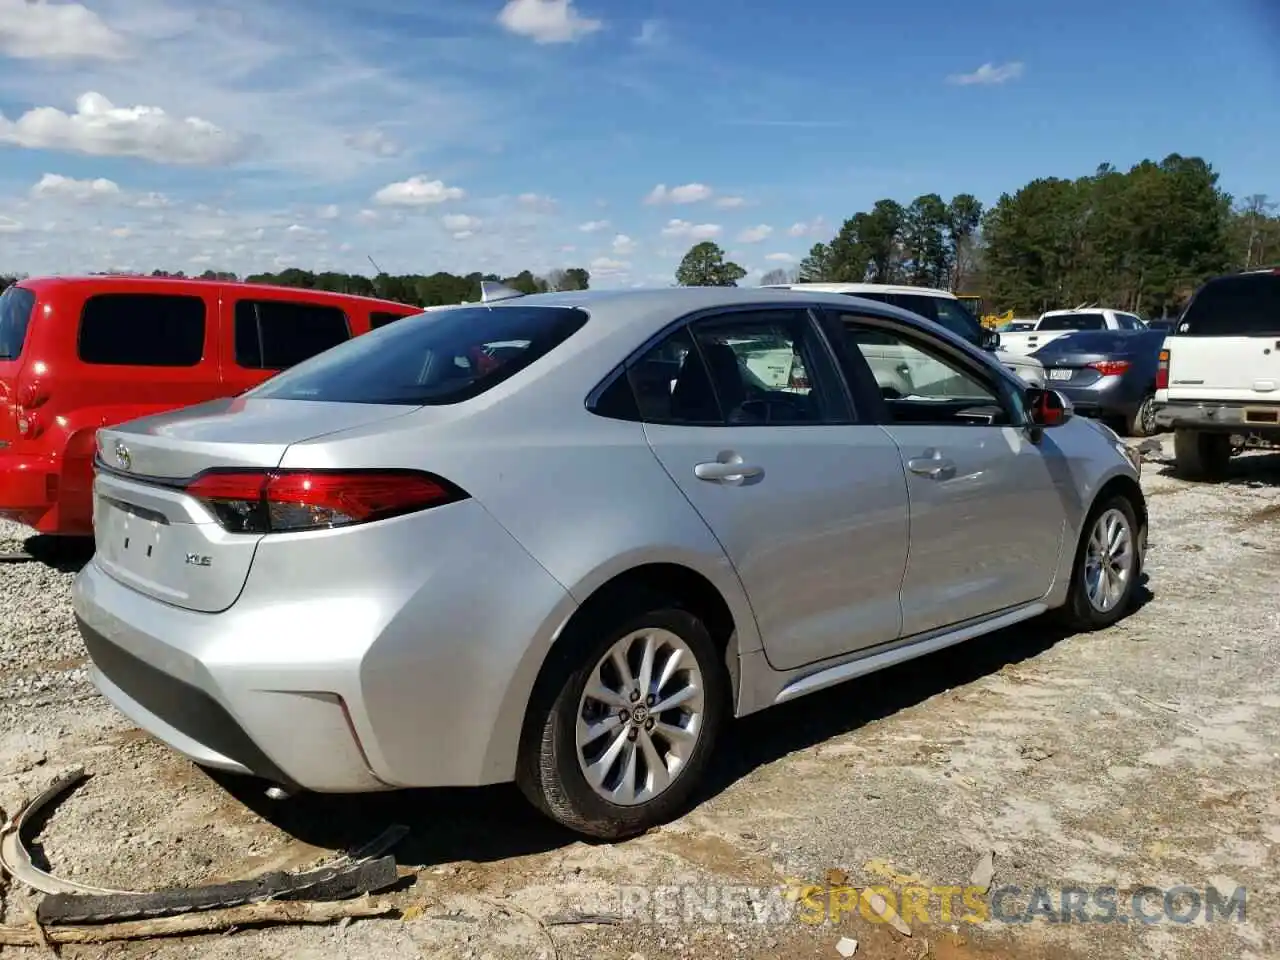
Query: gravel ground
x=1144 y=755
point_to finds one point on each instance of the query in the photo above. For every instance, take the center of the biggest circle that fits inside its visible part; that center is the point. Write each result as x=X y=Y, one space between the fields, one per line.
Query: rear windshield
x=1104 y=342
x=16 y=305
x=442 y=357
x=1074 y=321
x=1244 y=306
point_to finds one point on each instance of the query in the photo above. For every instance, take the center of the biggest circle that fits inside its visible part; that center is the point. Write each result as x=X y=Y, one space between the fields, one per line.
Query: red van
x=79 y=353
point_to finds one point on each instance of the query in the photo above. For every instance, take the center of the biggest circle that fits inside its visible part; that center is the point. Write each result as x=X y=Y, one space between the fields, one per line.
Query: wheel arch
x=682 y=584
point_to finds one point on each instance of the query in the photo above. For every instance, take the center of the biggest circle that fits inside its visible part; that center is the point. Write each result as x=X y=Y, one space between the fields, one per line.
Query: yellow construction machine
x=973 y=303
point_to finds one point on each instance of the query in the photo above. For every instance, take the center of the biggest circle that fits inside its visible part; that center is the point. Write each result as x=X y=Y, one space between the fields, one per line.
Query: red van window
x=16 y=305
x=380 y=319
x=142 y=330
x=275 y=334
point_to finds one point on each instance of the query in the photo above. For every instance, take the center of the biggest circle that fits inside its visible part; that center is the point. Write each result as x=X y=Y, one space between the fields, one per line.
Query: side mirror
x=990 y=339
x=1049 y=408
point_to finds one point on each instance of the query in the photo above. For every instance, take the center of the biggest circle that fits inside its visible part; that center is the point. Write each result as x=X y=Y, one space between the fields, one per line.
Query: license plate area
x=131 y=537
x=1062 y=374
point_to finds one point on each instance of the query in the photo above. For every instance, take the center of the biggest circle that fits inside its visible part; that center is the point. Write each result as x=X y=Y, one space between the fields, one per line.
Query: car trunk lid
x=1081 y=369
x=153 y=536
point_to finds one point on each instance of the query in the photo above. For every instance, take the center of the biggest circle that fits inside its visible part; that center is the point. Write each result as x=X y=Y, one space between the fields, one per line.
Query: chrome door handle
x=720 y=470
x=935 y=468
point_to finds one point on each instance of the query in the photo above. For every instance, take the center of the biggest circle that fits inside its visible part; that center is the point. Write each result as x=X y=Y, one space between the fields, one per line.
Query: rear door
x=1226 y=346
x=809 y=504
x=265 y=332
x=17 y=306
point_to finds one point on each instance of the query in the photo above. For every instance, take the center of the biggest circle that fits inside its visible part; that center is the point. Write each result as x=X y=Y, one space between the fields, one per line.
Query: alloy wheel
x=640 y=716
x=1109 y=560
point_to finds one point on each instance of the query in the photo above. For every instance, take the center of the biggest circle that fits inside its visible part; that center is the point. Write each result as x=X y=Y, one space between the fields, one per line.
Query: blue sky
x=490 y=135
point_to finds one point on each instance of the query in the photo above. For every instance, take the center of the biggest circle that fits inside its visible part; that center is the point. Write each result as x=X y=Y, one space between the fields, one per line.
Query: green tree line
x=1142 y=240
x=417 y=289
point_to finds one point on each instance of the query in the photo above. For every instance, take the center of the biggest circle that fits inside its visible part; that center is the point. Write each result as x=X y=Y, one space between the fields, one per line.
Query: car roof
x=634 y=315
x=1064 y=313
x=133 y=281
x=847 y=288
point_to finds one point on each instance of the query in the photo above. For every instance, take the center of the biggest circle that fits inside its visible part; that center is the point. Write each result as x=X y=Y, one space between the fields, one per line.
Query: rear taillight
x=1162 y=371
x=1110 y=368
x=279 y=501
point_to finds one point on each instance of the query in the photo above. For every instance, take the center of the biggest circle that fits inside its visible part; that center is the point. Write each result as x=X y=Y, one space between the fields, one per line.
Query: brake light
x=1162 y=371
x=1110 y=368
x=278 y=501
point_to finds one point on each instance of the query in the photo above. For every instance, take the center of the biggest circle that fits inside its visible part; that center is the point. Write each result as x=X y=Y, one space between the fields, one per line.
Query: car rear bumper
x=356 y=660
x=1218 y=417
x=1101 y=400
x=28 y=487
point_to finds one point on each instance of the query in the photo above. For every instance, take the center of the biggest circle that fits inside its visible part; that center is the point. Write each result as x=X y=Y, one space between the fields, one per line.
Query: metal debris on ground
x=349 y=875
x=267 y=913
x=846 y=946
x=983 y=872
x=325 y=884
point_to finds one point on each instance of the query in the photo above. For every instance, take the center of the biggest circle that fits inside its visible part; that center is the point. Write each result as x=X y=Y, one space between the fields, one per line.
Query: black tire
x=1142 y=422
x=1201 y=456
x=548 y=770
x=1078 y=614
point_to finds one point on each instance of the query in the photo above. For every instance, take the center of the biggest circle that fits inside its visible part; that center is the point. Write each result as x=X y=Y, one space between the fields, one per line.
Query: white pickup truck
x=1219 y=373
x=1055 y=323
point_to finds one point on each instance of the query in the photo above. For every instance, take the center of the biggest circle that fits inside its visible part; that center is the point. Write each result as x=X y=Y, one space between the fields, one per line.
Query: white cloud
x=375 y=142
x=546 y=21
x=594 y=226
x=622 y=244
x=817 y=227
x=329 y=212
x=98 y=128
x=417 y=192
x=688 y=193
x=652 y=33
x=536 y=202
x=606 y=268
x=755 y=234
x=54 y=186
x=37 y=30
x=780 y=258
x=731 y=203
x=989 y=74
x=10 y=225
x=691 y=231
x=460 y=223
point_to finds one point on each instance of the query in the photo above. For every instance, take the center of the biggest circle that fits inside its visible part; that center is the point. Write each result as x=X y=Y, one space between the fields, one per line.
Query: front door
x=809 y=504
x=986 y=521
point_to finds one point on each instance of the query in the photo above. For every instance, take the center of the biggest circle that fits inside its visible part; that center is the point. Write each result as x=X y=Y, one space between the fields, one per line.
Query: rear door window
x=1074 y=321
x=277 y=334
x=142 y=330
x=16 y=304
x=924 y=306
x=1241 y=306
x=441 y=358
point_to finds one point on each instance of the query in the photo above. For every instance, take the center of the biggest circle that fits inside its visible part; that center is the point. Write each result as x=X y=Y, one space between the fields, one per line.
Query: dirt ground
x=1144 y=756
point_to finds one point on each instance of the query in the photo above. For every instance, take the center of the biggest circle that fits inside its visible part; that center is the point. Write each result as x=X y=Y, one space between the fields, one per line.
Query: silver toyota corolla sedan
x=562 y=539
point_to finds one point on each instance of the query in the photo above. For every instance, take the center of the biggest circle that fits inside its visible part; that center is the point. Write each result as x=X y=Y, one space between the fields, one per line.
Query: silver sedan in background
x=562 y=539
